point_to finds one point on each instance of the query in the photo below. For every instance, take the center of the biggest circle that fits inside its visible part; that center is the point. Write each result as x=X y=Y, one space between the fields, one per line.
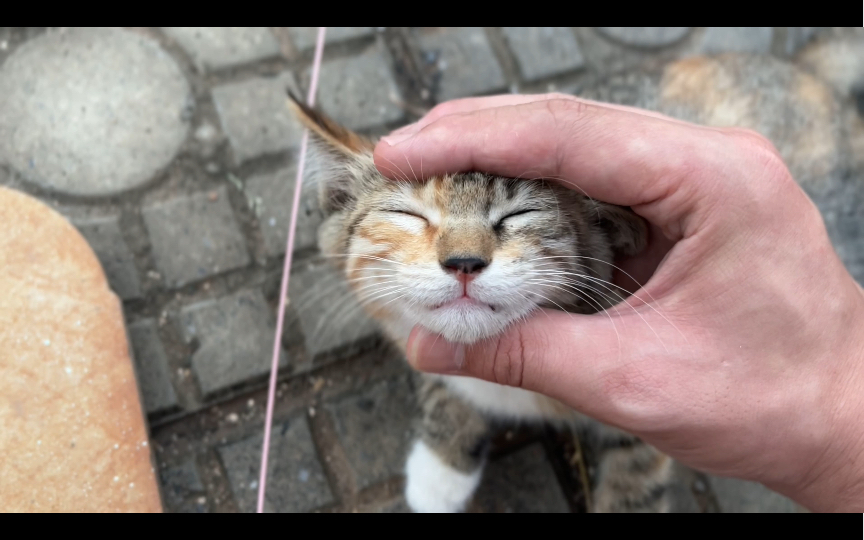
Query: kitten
x=465 y=255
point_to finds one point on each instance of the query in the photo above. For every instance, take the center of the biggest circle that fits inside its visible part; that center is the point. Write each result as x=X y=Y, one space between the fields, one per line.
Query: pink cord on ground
x=286 y=272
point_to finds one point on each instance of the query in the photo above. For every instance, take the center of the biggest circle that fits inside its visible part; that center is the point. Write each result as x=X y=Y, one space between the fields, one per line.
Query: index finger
x=471 y=104
x=614 y=155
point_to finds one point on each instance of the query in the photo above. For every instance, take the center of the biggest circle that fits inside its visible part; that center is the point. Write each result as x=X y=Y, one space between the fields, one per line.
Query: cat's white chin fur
x=432 y=486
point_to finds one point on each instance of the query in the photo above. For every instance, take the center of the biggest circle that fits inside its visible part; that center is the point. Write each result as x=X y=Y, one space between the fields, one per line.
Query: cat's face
x=462 y=255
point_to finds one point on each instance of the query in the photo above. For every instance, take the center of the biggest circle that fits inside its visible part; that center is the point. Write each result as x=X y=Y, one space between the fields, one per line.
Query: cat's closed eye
x=408 y=220
x=408 y=213
x=500 y=223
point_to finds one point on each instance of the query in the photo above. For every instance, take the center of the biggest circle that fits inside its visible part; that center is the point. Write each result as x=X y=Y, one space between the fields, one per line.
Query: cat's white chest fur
x=497 y=400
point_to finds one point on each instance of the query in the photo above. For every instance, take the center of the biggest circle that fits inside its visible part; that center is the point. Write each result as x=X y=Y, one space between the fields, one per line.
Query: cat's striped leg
x=633 y=477
x=446 y=461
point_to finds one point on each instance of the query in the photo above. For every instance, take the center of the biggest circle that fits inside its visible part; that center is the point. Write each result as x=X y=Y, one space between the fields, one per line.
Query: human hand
x=741 y=355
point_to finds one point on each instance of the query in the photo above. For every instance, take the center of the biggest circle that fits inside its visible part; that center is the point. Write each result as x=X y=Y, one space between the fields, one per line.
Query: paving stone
x=375 y=429
x=645 y=36
x=719 y=39
x=464 y=59
x=295 y=478
x=217 y=47
x=194 y=237
x=544 y=51
x=330 y=316
x=91 y=111
x=274 y=196
x=105 y=238
x=179 y=482
x=235 y=335
x=749 y=497
x=360 y=91
x=305 y=36
x=151 y=367
x=255 y=116
x=522 y=482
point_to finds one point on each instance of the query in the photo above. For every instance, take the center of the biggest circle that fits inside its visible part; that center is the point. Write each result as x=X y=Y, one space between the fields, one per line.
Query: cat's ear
x=627 y=232
x=337 y=158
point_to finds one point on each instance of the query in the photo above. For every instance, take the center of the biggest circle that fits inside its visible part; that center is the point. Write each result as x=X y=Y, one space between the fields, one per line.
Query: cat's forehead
x=466 y=192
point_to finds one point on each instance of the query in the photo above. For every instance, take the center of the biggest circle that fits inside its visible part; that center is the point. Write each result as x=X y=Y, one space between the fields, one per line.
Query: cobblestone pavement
x=172 y=151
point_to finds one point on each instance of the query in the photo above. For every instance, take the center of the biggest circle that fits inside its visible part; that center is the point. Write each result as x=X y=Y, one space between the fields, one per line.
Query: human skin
x=740 y=356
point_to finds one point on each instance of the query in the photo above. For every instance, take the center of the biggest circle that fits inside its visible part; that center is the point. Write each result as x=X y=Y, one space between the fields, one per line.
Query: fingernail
x=432 y=353
x=402 y=134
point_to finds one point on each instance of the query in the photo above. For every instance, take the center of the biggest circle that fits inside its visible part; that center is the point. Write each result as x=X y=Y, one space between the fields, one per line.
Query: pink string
x=286 y=272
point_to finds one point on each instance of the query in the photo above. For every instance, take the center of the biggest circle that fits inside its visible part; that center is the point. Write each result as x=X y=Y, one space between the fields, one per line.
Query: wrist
x=834 y=478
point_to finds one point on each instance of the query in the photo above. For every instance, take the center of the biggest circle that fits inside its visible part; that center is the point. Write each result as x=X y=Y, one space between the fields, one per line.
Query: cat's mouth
x=464 y=302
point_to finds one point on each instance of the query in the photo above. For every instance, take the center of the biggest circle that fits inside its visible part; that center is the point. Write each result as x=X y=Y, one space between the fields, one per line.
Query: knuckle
x=508 y=360
x=566 y=108
x=560 y=96
x=445 y=109
x=767 y=161
x=757 y=146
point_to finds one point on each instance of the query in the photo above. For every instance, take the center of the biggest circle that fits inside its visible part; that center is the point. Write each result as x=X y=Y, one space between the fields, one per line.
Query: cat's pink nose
x=466 y=265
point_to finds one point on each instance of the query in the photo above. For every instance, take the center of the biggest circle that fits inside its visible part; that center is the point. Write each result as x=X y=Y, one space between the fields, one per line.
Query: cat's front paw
x=433 y=486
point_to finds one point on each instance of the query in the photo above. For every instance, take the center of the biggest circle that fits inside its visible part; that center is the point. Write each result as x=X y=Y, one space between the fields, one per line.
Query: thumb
x=589 y=362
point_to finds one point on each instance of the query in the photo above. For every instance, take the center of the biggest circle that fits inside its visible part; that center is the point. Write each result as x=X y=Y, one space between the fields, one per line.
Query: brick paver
x=213 y=47
x=234 y=336
x=543 y=52
x=295 y=477
x=255 y=116
x=151 y=366
x=91 y=111
x=195 y=236
x=106 y=239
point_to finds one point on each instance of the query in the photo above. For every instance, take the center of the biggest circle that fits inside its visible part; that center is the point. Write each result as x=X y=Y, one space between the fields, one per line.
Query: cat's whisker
x=304 y=301
x=336 y=282
x=571 y=315
x=351 y=312
x=374 y=295
x=410 y=167
x=602 y=282
x=650 y=305
x=595 y=303
x=343 y=300
x=363 y=301
x=600 y=261
x=354 y=255
x=551 y=301
x=359 y=291
x=557 y=265
x=326 y=316
x=613 y=303
x=524 y=317
x=606 y=263
x=404 y=176
x=376 y=276
x=393 y=299
x=369 y=295
x=601 y=310
x=375 y=268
